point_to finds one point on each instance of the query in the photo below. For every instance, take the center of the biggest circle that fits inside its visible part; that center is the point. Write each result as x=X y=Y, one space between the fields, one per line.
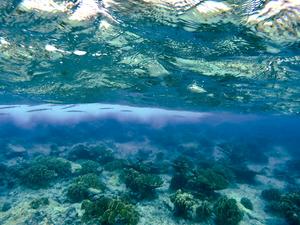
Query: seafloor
x=112 y=172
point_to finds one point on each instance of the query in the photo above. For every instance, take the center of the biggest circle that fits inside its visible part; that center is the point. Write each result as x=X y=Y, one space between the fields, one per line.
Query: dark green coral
x=227 y=212
x=287 y=206
x=37 y=176
x=89 y=166
x=79 y=189
x=97 y=153
x=77 y=192
x=181 y=164
x=290 y=207
x=41 y=171
x=94 y=209
x=116 y=164
x=246 y=202
x=91 y=180
x=142 y=184
x=120 y=213
x=207 y=180
x=37 y=203
x=60 y=166
x=203 y=180
x=271 y=194
x=204 y=211
x=109 y=211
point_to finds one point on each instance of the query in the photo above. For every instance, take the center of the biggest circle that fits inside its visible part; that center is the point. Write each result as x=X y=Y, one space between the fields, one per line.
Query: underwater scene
x=149 y=112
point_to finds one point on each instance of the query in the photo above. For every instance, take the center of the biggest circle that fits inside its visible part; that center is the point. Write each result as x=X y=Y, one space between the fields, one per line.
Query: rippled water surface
x=144 y=58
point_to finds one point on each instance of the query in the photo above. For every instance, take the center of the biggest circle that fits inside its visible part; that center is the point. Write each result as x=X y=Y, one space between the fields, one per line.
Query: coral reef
x=77 y=192
x=289 y=206
x=5 y=207
x=37 y=176
x=204 y=211
x=98 y=153
x=243 y=175
x=116 y=164
x=207 y=180
x=5 y=176
x=41 y=171
x=183 y=204
x=239 y=152
x=271 y=194
x=246 y=202
x=181 y=166
x=227 y=212
x=90 y=180
x=142 y=184
x=145 y=167
x=204 y=179
x=109 y=211
x=119 y=212
x=94 y=209
x=35 y=204
x=89 y=166
x=141 y=188
x=59 y=165
x=80 y=188
x=286 y=205
x=178 y=181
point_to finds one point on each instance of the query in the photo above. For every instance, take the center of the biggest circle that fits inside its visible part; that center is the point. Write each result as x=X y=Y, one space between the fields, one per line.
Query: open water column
x=149 y=112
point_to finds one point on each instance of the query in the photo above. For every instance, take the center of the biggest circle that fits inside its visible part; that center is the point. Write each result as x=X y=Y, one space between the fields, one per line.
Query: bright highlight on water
x=149 y=112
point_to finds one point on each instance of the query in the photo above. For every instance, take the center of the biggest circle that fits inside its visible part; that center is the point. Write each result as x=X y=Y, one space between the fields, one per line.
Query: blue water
x=147 y=115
